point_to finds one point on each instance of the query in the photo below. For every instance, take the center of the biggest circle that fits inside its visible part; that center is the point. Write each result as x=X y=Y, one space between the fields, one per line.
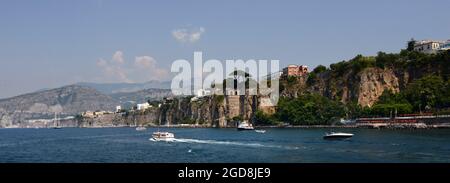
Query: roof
x=423 y=42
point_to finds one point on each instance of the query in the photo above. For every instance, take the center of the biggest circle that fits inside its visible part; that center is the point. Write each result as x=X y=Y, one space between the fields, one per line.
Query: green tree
x=319 y=69
x=427 y=93
x=411 y=44
x=264 y=119
x=310 y=109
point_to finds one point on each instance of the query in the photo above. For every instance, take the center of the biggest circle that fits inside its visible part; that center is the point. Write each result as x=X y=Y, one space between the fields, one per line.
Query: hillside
x=68 y=100
x=364 y=79
x=128 y=98
x=112 y=88
x=405 y=82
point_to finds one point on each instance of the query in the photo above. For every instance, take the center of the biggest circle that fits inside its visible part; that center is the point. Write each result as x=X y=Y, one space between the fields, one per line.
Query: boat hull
x=338 y=136
x=162 y=137
x=245 y=129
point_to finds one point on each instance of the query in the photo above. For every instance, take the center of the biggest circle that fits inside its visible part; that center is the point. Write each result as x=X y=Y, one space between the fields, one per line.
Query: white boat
x=260 y=131
x=162 y=136
x=141 y=128
x=244 y=125
x=337 y=135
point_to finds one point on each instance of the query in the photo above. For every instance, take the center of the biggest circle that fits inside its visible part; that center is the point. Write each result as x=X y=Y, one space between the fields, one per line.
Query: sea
x=210 y=145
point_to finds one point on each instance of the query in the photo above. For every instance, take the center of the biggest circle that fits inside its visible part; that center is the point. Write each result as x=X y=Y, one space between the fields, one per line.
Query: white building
x=193 y=99
x=118 y=108
x=88 y=114
x=202 y=92
x=428 y=46
x=143 y=106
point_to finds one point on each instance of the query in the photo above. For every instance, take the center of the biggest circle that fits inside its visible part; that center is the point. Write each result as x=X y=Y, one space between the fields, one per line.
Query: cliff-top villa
x=431 y=46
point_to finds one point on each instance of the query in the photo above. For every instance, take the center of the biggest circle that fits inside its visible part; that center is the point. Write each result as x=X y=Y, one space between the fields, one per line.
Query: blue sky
x=50 y=43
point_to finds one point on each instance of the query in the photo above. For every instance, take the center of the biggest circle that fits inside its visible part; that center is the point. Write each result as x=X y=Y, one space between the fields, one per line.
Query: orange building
x=295 y=70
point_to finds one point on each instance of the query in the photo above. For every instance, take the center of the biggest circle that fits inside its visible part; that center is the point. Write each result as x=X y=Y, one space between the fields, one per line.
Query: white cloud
x=195 y=36
x=144 y=68
x=180 y=35
x=185 y=35
x=149 y=66
x=118 y=57
x=112 y=71
x=144 y=62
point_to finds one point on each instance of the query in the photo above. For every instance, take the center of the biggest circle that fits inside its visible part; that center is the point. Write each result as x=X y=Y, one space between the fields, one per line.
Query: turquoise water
x=222 y=145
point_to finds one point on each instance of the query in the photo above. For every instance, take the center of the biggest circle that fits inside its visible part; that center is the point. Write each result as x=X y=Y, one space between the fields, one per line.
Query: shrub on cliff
x=264 y=119
x=429 y=92
x=309 y=109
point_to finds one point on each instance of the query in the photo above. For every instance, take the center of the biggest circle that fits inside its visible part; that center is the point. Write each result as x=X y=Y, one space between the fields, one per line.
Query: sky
x=52 y=43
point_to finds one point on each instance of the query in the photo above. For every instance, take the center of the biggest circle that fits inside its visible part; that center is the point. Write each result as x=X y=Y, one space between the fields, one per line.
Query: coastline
x=444 y=126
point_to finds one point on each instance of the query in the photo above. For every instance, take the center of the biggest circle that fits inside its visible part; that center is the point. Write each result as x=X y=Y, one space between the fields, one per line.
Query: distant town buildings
x=203 y=92
x=295 y=70
x=143 y=106
x=90 y=114
x=431 y=46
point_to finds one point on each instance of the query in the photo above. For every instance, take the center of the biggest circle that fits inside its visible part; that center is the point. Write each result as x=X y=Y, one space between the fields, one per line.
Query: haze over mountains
x=77 y=98
x=111 y=88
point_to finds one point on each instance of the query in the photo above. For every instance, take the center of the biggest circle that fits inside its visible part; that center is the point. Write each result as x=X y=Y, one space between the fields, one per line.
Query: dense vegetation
x=429 y=90
x=310 y=109
x=405 y=60
x=430 y=93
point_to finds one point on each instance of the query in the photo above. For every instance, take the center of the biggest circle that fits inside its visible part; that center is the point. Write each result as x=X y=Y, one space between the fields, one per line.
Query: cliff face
x=364 y=87
x=373 y=82
x=213 y=111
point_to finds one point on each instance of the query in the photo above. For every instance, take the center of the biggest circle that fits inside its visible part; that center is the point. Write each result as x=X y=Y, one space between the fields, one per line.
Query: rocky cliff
x=364 y=87
x=214 y=111
x=364 y=79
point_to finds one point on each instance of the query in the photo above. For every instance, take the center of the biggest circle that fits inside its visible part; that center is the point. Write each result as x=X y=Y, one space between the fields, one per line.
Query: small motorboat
x=337 y=135
x=140 y=128
x=162 y=136
x=244 y=125
x=260 y=131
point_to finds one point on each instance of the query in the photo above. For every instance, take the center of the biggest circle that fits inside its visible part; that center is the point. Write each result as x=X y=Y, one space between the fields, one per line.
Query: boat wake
x=215 y=142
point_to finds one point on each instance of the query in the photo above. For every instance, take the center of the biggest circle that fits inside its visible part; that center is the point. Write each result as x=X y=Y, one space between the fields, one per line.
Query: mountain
x=112 y=88
x=68 y=100
x=126 y=99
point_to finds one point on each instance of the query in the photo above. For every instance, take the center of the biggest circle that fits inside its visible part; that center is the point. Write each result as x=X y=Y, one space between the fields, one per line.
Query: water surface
x=222 y=145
